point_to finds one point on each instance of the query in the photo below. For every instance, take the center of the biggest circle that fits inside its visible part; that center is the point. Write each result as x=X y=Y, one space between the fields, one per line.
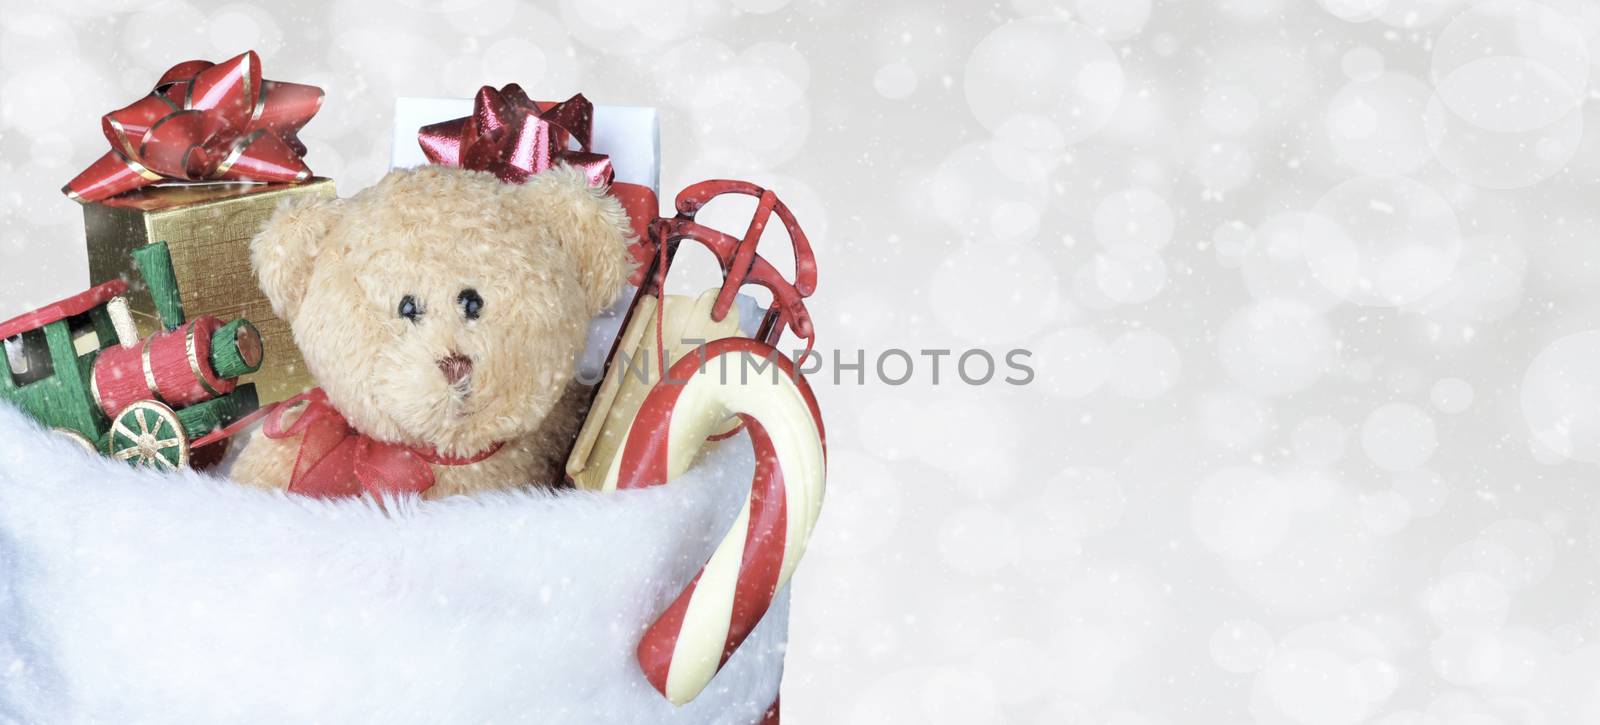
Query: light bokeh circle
x=1376 y=124
x=1382 y=241
x=1048 y=68
x=1511 y=66
x=1561 y=397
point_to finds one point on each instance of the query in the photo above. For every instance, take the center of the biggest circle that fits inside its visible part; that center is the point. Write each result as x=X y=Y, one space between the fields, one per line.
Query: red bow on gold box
x=204 y=122
x=514 y=137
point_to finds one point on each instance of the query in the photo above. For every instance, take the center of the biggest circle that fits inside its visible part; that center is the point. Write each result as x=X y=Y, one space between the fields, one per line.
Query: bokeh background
x=1312 y=289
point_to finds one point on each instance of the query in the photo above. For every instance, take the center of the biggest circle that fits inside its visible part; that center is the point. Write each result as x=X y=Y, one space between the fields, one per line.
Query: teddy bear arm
x=266 y=462
x=553 y=440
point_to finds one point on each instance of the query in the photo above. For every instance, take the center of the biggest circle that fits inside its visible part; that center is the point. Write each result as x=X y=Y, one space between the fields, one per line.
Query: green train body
x=48 y=365
x=53 y=384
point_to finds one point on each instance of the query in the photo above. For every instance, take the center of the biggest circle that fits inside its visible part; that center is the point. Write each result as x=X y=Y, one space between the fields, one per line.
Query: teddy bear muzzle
x=456 y=367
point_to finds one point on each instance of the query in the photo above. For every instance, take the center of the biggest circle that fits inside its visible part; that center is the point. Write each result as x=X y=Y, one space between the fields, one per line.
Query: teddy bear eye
x=471 y=303
x=409 y=308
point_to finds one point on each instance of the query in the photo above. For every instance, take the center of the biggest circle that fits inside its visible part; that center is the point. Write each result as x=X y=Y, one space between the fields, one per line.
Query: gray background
x=1311 y=285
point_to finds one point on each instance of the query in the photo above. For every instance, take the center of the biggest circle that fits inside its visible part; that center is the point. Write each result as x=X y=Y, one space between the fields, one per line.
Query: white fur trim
x=130 y=596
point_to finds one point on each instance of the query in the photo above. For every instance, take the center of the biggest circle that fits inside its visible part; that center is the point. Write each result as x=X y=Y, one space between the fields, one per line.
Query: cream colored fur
x=544 y=256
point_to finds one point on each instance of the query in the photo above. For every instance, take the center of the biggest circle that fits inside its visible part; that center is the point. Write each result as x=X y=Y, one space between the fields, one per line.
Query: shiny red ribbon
x=514 y=137
x=204 y=122
x=335 y=460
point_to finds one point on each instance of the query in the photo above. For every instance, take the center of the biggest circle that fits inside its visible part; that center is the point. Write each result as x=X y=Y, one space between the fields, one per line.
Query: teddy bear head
x=443 y=307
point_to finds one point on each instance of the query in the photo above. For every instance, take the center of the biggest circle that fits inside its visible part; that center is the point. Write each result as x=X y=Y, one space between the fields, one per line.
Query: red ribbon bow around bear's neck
x=204 y=122
x=334 y=460
x=514 y=137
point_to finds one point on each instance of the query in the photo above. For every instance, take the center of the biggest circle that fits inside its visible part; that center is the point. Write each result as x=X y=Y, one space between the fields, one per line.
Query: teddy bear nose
x=455 y=367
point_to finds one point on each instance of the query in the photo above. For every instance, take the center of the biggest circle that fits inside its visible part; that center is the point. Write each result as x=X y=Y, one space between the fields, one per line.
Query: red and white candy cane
x=689 y=642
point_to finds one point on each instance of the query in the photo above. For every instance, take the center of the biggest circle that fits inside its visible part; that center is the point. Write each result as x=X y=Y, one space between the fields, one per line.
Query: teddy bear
x=441 y=312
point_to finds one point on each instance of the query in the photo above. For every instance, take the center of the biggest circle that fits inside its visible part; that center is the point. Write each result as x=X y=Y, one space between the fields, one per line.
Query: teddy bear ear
x=283 y=251
x=588 y=223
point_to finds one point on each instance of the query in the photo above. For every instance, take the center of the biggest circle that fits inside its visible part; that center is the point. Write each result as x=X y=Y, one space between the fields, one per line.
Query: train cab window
x=28 y=356
x=84 y=338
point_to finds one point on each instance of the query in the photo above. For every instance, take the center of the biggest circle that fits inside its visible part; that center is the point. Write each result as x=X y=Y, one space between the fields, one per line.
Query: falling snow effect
x=1313 y=290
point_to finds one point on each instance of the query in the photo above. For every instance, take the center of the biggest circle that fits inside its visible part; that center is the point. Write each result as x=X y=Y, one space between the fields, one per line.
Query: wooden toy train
x=79 y=366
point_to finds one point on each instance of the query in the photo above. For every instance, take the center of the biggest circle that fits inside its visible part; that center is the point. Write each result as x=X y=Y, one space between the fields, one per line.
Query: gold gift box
x=207 y=228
